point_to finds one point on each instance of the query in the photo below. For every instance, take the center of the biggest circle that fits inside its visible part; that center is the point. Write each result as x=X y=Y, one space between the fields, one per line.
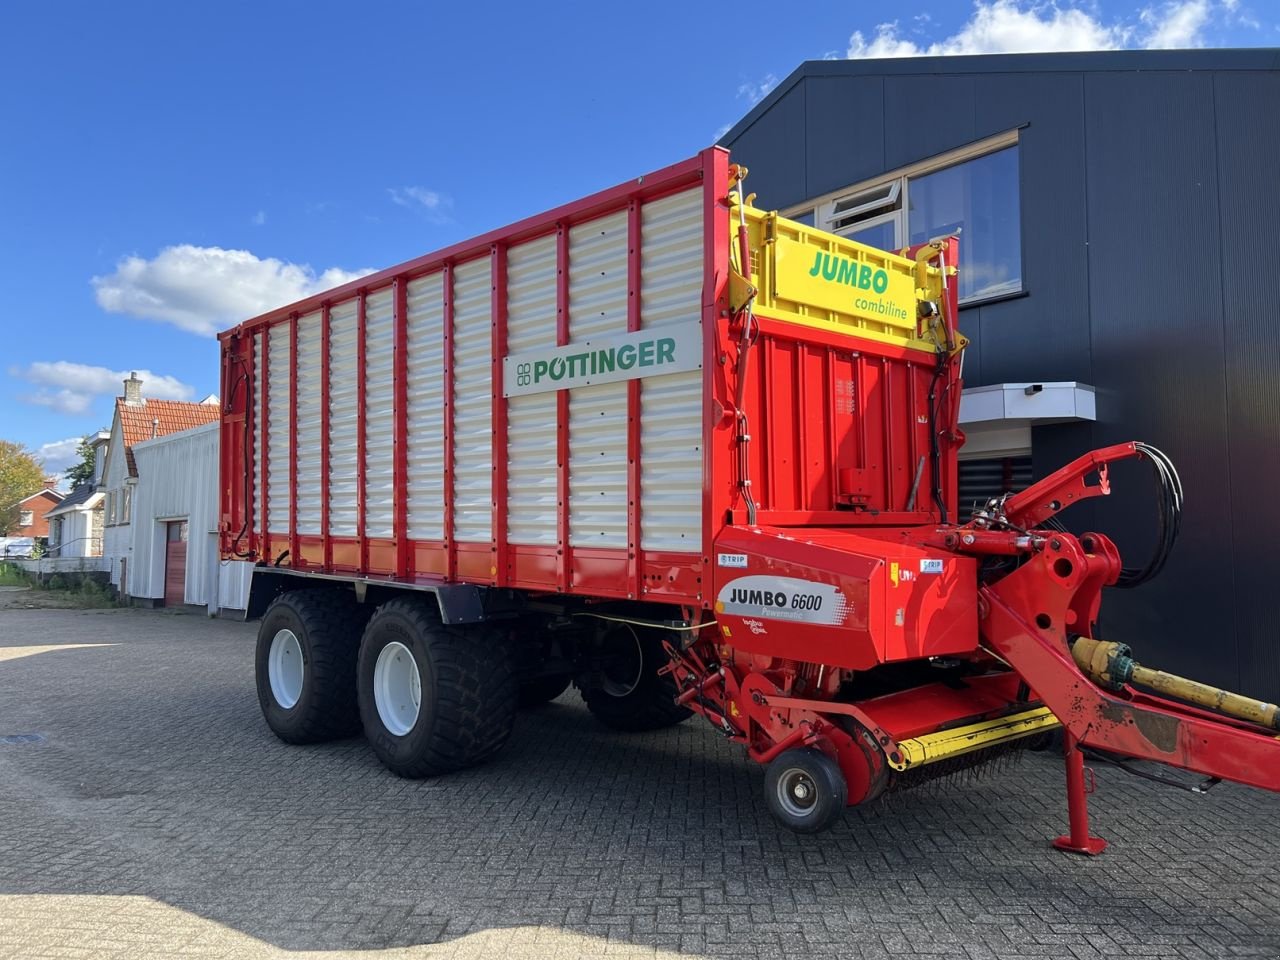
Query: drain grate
x=17 y=738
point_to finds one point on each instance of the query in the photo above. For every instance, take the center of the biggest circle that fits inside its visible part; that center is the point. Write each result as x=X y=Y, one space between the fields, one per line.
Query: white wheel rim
x=285 y=668
x=397 y=688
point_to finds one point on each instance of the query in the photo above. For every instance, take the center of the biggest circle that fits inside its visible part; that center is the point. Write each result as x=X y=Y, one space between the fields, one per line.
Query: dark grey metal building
x=1119 y=216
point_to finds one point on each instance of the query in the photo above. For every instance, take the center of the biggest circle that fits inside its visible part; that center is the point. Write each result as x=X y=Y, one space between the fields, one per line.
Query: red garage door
x=175 y=563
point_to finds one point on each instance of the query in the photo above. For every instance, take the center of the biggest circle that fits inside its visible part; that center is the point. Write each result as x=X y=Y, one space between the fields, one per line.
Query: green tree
x=82 y=472
x=20 y=476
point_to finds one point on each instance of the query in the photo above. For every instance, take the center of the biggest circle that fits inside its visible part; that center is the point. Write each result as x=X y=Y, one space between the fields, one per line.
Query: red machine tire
x=805 y=790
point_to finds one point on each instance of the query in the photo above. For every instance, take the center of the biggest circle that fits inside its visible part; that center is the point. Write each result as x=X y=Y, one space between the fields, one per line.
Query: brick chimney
x=50 y=482
x=133 y=390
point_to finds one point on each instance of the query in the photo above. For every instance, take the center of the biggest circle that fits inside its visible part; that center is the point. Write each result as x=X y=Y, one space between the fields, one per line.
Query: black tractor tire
x=468 y=690
x=542 y=690
x=629 y=694
x=325 y=626
x=805 y=790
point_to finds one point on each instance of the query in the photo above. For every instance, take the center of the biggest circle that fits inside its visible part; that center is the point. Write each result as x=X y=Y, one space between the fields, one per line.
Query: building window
x=972 y=192
x=26 y=518
x=126 y=504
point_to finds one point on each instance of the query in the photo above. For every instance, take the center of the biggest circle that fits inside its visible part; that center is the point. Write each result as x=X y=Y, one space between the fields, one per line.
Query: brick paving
x=158 y=817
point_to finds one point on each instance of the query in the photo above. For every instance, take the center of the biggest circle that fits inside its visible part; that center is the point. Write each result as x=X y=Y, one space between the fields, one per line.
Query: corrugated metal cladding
x=279 y=398
x=983 y=480
x=671 y=476
x=344 y=448
x=178 y=480
x=426 y=408
x=1149 y=200
x=598 y=413
x=308 y=394
x=671 y=455
x=379 y=414
x=531 y=419
x=472 y=403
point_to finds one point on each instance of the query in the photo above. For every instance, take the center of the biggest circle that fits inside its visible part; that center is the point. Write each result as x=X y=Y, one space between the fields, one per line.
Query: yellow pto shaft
x=1111 y=665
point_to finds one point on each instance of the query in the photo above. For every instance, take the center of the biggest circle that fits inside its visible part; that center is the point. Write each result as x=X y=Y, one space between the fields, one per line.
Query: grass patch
x=77 y=591
x=12 y=575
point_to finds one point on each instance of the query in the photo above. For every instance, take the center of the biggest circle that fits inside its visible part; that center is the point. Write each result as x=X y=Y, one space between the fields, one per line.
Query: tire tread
x=476 y=692
x=332 y=622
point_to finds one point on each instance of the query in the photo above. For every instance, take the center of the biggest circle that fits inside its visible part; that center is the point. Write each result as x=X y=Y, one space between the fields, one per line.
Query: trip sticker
x=783 y=598
x=731 y=560
x=930 y=566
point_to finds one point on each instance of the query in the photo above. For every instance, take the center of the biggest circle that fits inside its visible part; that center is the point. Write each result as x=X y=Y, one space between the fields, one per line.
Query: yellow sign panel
x=850 y=280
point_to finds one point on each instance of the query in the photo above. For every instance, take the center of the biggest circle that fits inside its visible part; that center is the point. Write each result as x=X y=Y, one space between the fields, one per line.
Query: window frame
x=26 y=518
x=822 y=208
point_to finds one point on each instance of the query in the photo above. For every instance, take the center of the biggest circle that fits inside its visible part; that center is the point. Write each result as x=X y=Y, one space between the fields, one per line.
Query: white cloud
x=1177 y=25
x=754 y=92
x=206 y=289
x=1025 y=26
x=58 y=456
x=259 y=218
x=72 y=387
x=433 y=204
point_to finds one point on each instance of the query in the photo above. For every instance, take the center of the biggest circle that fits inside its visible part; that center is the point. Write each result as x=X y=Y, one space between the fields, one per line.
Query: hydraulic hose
x=1168 y=517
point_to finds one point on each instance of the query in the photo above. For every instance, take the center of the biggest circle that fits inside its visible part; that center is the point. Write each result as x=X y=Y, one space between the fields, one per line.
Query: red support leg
x=1079 y=840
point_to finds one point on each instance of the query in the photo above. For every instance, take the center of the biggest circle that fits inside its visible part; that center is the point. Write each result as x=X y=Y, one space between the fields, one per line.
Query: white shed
x=174 y=556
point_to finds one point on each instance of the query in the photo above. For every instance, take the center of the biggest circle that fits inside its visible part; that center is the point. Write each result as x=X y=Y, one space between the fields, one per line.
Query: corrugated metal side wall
x=1149 y=201
x=531 y=419
x=598 y=413
x=472 y=403
x=576 y=485
x=1249 y=207
x=178 y=479
x=379 y=415
x=425 y=416
x=1155 y=295
x=308 y=393
x=344 y=449
x=671 y=455
x=279 y=439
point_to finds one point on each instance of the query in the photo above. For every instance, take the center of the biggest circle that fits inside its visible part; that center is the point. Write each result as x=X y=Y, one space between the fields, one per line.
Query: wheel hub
x=797 y=793
x=397 y=688
x=285 y=668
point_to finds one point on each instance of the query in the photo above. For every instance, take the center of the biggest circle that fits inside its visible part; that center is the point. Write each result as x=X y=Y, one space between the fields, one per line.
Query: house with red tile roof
x=31 y=511
x=137 y=419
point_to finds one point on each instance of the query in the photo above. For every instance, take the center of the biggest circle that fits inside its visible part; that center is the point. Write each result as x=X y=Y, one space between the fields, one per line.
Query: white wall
x=117 y=538
x=76 y=539
x=178 y=480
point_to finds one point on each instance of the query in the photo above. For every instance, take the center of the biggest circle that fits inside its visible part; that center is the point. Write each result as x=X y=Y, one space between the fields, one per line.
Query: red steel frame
x=563 y=554
x=629 y=573
x=326 y=559
x=498 y=349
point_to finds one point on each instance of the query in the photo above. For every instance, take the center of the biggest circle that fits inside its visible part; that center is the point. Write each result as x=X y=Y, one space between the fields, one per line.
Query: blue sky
x=169 y=169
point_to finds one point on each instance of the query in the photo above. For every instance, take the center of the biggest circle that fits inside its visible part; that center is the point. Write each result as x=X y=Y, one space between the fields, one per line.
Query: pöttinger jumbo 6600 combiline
x=690 y=457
